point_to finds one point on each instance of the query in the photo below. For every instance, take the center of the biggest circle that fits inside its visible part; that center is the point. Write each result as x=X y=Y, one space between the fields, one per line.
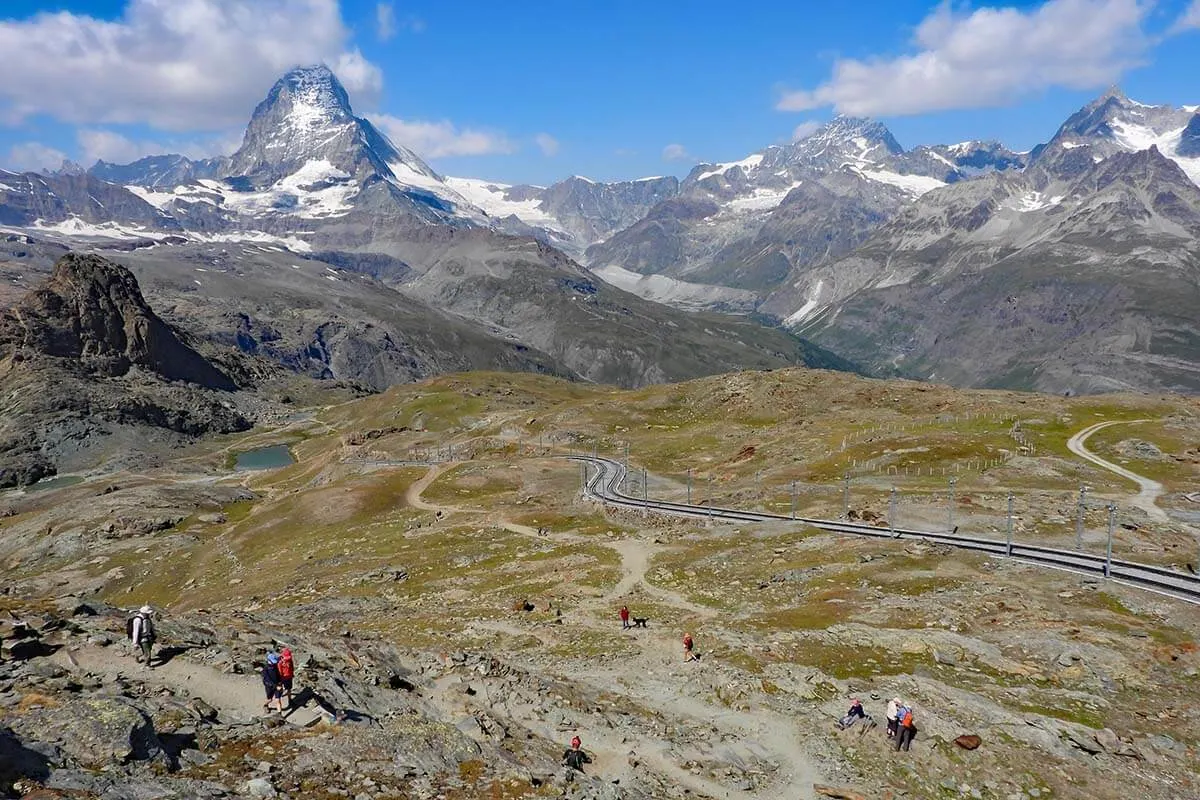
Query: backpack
x=147 y=627
x=906 y=718
x=287 y=668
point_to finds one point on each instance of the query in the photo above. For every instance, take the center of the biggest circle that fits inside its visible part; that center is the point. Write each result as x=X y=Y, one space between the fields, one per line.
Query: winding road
x=1150 y=490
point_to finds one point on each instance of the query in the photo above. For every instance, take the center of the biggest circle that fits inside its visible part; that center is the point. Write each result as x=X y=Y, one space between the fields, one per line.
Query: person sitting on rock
x=855 y=714
x=574 y=758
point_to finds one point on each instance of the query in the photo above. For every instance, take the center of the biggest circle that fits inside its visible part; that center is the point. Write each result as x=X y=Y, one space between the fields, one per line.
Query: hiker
x=140 y=630
x=855 y=714
x=624 y=618
x=893 y=720
x=575 y=758
x=907 y=729
x=689 y=654
x=287 y=672
x=270 y=679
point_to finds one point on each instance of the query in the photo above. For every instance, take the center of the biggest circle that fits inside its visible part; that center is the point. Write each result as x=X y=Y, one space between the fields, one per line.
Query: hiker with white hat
x=140 y=630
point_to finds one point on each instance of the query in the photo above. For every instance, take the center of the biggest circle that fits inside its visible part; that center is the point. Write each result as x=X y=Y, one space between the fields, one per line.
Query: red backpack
x=286 y=668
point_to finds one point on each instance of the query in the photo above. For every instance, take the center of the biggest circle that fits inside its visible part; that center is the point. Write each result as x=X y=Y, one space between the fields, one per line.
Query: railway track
x=605 y=477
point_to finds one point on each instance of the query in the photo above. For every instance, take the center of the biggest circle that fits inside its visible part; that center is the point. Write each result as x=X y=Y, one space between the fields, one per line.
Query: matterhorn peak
x=306 y=123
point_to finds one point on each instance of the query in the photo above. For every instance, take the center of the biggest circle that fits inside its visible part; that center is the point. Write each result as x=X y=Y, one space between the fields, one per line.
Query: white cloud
x=805 y=129
x=33 y=157
x=441 y=139
x=115 y=148
x=675 y=152
x=175 y=64
x=547 y=143
x=989 y=57
x=1189 y=19
x=385 y=21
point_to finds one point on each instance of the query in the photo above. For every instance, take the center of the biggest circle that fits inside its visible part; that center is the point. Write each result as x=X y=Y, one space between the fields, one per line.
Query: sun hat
x=145 y=610
x=272 y=658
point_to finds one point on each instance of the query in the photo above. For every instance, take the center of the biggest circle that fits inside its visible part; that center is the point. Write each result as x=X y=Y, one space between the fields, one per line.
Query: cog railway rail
x=604 y=479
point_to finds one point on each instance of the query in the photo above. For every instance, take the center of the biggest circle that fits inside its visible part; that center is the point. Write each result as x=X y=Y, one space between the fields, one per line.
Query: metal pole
x=1008 y=547
x=689 y=502
x=951 y=511
x=1079 y=518
x=1112 y=516
x=892 y=511
x=583 y=478
x=627 y=455
x=793 y=499
x=645 y=489
x=846 y=495
x=710 y=496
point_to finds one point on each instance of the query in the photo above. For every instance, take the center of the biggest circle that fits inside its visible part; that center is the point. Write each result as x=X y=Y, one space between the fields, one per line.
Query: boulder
x=96 y=732
x=968 y=741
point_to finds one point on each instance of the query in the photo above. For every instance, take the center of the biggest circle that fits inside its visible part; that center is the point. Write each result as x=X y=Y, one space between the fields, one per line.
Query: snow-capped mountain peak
x=1112 y=124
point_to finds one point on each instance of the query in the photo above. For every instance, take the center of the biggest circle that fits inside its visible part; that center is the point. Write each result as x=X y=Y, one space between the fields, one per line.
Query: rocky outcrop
x=91 y=311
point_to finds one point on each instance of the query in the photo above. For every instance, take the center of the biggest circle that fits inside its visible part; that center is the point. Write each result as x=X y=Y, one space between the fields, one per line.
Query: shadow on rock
x=18 y=761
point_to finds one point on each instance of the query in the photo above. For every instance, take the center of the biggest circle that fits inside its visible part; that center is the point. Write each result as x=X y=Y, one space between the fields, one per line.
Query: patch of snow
x=748 y=163
x=1033 y=201
x=943 y=159
x=4 y=187
x=76 y=227
x=961 y=147
x=582 y=178
x=159 y=200
x=671 y=291
x=290 y=242
x=491 y=198
x=915 y=185
x=810 y=305
x=1072 y=145
x=761 y=199
x=316 y=190
x=648 y=178
x=1142 y=137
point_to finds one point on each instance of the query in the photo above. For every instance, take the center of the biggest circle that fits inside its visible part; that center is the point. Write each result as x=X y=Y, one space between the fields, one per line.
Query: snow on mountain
x=1112 y=124
x=502 y=200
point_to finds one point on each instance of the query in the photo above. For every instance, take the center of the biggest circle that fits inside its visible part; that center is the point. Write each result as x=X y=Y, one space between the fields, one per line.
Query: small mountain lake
x=54 y=483
x=273 y=457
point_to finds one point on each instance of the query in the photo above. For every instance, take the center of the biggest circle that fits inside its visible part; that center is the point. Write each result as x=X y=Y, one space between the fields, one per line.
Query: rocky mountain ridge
x=87 y=365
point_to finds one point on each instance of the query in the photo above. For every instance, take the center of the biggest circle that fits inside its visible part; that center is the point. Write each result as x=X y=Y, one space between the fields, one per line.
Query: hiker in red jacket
x=287 y=671
x=907 y=729
x=624 y=618
x=689 y=654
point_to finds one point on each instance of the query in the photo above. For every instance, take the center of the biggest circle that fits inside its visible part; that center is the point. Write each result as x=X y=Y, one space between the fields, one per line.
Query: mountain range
x=343 y=255
x=1067 y=268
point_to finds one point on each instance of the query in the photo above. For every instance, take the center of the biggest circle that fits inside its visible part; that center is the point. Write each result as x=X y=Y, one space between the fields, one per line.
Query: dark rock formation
x=92 y=310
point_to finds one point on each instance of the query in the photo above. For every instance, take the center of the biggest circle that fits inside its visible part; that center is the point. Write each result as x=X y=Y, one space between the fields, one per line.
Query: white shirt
x=892 y=711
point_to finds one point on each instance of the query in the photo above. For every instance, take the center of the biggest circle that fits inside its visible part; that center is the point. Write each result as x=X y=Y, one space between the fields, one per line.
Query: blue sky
x=536 y=91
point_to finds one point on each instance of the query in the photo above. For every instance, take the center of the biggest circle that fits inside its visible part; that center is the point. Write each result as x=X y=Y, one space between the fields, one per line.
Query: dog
x=640 y=622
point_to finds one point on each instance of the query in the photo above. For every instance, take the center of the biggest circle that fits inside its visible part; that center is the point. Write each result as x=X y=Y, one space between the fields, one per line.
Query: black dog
x=640 y=622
